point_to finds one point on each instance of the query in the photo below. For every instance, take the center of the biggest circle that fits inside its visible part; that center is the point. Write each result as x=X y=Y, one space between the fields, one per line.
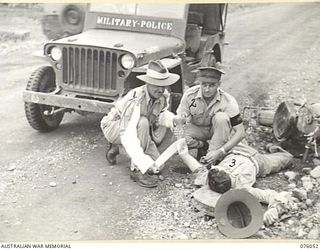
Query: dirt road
x=273 y=55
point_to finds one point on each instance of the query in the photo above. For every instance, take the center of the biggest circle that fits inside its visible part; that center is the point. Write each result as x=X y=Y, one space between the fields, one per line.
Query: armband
x=236 y=120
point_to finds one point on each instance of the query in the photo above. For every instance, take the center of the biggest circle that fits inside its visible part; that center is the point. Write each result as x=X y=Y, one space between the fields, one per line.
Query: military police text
x=123 y=22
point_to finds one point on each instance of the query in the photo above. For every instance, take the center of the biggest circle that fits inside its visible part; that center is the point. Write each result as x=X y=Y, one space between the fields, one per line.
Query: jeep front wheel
x=38 y=115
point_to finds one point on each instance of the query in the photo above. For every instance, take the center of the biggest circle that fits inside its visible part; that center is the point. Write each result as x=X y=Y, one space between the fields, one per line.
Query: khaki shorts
x=111 y=129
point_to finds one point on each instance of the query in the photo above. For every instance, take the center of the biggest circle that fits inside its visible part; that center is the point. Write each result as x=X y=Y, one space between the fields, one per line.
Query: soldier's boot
x=144 y=180
x=112 y=152
x=202 y=149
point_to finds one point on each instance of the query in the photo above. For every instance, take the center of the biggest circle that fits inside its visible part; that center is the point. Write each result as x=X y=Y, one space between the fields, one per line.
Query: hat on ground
x=238 y=214
x=157 y=74
x=209 y=73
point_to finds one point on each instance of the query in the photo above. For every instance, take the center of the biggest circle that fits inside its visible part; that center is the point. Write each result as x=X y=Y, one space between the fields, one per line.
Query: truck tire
x=42 y=80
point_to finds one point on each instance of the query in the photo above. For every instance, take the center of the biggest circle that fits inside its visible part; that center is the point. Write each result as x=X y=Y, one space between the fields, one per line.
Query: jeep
x=110 y=45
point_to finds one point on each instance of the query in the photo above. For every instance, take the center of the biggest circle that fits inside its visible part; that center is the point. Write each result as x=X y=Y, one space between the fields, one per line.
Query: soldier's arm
x=125 y=108
x=236 y=123
x=215 y=155
x=278 y=203
x=131 y=143
x=236 y=138
x=184 y=106
x=166 y=118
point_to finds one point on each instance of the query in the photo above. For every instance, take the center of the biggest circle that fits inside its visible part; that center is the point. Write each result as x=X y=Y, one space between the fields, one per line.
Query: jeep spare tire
x=62 y=21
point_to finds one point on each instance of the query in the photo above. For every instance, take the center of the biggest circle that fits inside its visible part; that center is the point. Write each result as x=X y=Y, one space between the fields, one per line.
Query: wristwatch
x=223 y=150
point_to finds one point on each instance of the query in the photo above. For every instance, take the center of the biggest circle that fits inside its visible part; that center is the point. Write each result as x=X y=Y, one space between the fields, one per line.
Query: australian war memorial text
x=34 y=246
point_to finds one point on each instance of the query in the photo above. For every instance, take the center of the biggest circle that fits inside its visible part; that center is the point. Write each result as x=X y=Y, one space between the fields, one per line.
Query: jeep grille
x=89 y=69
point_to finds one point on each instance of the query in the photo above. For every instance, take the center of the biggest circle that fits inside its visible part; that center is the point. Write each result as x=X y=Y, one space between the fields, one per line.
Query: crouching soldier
x=212 y=114
x=153 y=99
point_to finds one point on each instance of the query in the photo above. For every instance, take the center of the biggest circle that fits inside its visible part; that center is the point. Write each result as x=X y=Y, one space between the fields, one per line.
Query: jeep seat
x=193 y=34
x=195 y=17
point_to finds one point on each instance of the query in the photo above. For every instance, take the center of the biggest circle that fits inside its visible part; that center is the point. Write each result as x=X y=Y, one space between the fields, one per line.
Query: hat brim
x=173 y=78
x=212 y=80
x=219 y=70
x=206 y=196
x=230 y=202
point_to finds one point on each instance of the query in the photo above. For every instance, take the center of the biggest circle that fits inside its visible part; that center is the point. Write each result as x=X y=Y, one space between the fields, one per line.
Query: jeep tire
x=42 y=80
x=68 y=21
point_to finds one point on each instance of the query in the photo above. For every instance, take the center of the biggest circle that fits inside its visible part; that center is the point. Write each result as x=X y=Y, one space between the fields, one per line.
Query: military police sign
x=134 y=23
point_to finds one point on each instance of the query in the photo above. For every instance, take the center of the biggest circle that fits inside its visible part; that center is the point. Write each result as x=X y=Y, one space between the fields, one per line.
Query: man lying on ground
x=239 y=169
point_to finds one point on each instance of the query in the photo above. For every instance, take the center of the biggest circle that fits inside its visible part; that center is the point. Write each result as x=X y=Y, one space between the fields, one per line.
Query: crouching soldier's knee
x=221 y=119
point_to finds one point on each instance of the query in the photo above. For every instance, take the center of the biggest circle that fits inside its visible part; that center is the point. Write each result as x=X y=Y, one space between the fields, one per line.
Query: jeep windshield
x=175 y=11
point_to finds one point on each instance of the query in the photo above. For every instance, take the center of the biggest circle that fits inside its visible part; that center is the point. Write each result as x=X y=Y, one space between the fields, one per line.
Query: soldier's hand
x=270 y=216
x=178 y=126
x=154 y=169
x=212 y=156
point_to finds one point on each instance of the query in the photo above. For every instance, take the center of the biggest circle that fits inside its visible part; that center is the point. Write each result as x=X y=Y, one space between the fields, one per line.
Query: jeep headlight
x=127 y=61
x=56 y=53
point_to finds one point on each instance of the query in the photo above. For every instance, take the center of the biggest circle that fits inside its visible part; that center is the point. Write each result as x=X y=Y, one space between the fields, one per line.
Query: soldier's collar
x=233 y=180
x=218 y=96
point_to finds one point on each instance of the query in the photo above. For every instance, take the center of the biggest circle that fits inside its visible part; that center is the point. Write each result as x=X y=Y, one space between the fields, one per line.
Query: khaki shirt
x=241 y=166
x=200 y=114
x=241 y=169
x=151 y=110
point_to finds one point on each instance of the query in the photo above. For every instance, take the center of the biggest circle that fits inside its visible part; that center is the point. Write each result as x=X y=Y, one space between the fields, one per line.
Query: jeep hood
x=144 y=46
